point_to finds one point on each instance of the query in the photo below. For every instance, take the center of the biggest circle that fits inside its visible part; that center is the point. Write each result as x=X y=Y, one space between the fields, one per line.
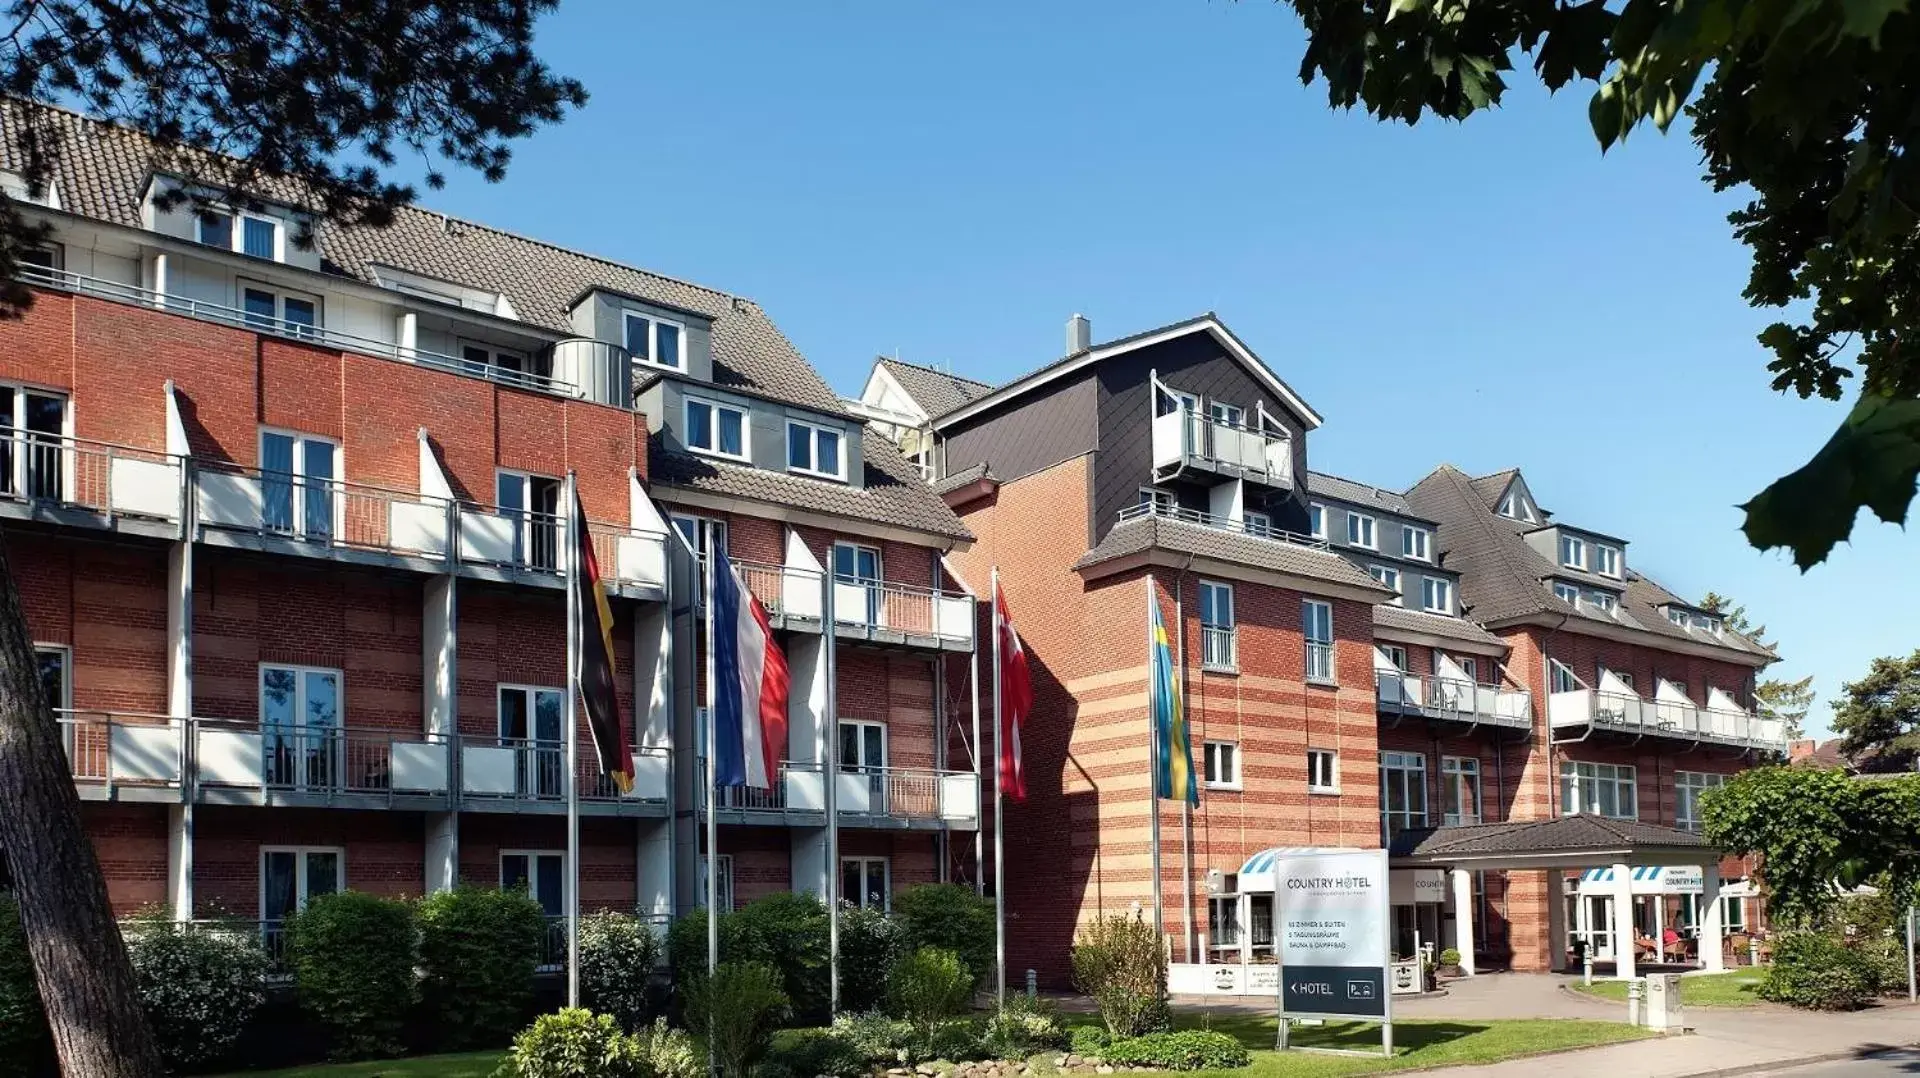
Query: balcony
x=502 y=774
x=869 y=611
x=1452 y=699
x=81 y=483
x=875 y=797
x=1186 y=439
x=1578 y=714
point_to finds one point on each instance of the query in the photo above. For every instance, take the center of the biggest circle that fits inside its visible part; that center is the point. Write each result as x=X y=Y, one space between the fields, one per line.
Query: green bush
x=1088 y=1040
x=956 y=1041
x=660 y=1051
x=200 y=987
x=928 y=987
x=785 y=931
x=1816 y=971
x=618 y=955
x=571 y=1043
x=1023 y=1028
x=869 y=946
x=1450 y=957
x=1187 y=1050
x=809 y=1053
x=736 y=1012
x=478 y=950
x=950 y=917
x=353 y=957
x=876 y=1038
x=26 y=1047
x=1118 y=962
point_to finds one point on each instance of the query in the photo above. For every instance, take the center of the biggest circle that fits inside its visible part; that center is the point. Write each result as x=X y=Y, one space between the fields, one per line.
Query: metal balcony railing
x=67 y=281
x=510 y=538
x=1209 y=520
x=1185 y=437
x=120 y=749
x=901 y=793
x=75 y=473
x=1319 y=662
x=1219 y=646
x=322 y=511
x=321 y=760
x=1452 y=698
x=912 y=610
x=1661 y=718
x=516 y=770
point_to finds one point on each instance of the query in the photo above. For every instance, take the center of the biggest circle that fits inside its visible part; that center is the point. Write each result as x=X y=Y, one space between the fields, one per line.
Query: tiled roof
x=1557 y=835
x=894 y=493
x=1150 y=532
x=1490 y=487
x=1501 y=577
x=104 y=171
x=1388 y=616
x=1347 y=490
x=936 y=392
x=961 y=478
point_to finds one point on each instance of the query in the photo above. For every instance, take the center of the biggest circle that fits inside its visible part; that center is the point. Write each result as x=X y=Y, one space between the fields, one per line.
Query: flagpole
x=979 y=837
x=999 y=815
x=574 y=614
x=1153 y=761
x=830 y=639
x=712 y=567
x=1186 y=803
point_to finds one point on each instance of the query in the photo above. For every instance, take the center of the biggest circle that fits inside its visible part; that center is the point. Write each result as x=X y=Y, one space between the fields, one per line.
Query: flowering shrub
x=618 y=953
x=200 y=986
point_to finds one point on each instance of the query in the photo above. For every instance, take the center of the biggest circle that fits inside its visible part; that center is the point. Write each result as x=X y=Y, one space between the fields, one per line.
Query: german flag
x=594 y=646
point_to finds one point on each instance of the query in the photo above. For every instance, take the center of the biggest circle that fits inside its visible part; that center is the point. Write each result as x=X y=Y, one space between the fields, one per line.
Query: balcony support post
x=180 y=708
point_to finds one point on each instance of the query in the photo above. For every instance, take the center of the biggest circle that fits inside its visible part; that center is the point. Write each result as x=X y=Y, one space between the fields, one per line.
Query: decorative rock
x=1104 y=1068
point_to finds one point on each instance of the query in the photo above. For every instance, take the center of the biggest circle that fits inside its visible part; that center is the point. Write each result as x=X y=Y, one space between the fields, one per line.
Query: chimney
x=1079 y=334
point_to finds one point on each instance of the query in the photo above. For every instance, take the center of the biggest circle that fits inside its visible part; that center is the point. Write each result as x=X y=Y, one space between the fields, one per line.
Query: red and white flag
x=1016 y=698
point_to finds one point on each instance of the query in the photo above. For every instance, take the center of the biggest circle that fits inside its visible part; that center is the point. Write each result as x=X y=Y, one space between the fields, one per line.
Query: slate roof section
x=1388 y=616
x=964 y=477
x=1490 y=487
x=1145 y=533
x=1357 y=493
x=1558 y=835
x=894 y=493
x=1502 y=578
x=936 y=392
x=104 y=171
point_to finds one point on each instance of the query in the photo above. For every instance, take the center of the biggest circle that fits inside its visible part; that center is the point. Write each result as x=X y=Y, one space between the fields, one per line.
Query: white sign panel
x=1333 y=909
x=1409 y=886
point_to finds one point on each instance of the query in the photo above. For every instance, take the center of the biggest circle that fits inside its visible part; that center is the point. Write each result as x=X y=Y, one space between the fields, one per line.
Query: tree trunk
x=79 y=961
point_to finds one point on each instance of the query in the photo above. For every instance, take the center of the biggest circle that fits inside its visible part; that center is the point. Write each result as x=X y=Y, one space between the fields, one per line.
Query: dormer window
x=1573 y=552
x=1416 y=543
x=815 y=450
x=1678 y=617
x=1566 y=593
x=249 y=234
x=717 y=429
x=1606 y=602
x=1515 y=507
x=1436 y=595
x=656 y=340
x=1606 y=560
x=1361 y=531
x=1317 y=520
x=1388 y=577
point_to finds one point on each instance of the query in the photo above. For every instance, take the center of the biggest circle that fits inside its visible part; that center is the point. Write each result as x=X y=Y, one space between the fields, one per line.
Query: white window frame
x=746 y=427
x=1230 y=414
x=1354 y=529
x=531 y=518
x=1687 y=788
x=1317 y=520
x=533 y=878
x=1573 y=552
x=39 y=447
x=300 y=734
x=1559 y=673
x=814 y=430
x=1566 y=593
x=1408 y=763
x=1162 y=500
x=1388 y=576
x=1323 y=771
x=1316 y=646
x=279 y=324
x=1605 y=601
x=1254 y=522
x=1396 y=655
x=1606 y=560
x=1218 y=777
x=654 y=321
x=1433 y=587
x=1580 y=783
x=1416 y=542
x=1469 y=666
x=65 y=651
x=866 y=866
x=724 y=865
x=237 y=231
x=335 y=486
x=1212 y=631
x=300 y=854
x=1459 y=769
x=522 y=361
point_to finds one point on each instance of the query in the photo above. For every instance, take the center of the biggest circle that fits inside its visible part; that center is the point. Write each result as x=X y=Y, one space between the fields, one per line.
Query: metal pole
x=979 y=799
x=830 y=639
x=1913 y=989
x=1186 y=803
x=999 y=830
x=708 y=568
x=1153 y=770
x=573 y=744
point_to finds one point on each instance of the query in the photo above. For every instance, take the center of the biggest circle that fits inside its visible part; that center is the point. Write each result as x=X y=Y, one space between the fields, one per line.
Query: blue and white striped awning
x=1257 y=873
x=1645 y=880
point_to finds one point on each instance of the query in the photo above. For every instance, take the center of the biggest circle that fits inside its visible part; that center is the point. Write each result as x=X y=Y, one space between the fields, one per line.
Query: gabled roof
x=1208 y=323
x=937 y=392
x=1357 y=493
x=1501 y=577
x=1582 y=835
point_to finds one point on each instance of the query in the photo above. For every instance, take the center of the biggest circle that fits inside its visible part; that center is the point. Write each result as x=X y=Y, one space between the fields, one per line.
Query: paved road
x=1903 y=1062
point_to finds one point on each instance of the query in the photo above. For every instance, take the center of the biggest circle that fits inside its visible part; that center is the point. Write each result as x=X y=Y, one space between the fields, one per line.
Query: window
x=863 y=751
x=1360 y=531
x=276 y=311
x=32 y=424
x=815 y=450
x=1514 y=507
x=858 y=593
x=300 y=724
x=1317 y=520
x=703 y=534
x=55 y=662
x=257 y=237
x=1323 y=771
x=1231 y=414
x=1257 y=524
x=1416 y=543
x=1566 y=593
x=1703 y=621
x=1602 y=789
x=1605 y=601
x=532 y=502
x=1217 y=644
x=1678 y=617
x=864 y=883
x=1687 y=788
x=530 y=726
x=1600 y=672
x=1459 y=790
x=1560 y=677
x=1222 y=765
x=1469 y=666
x=1573 y=552
x=214 y=229
x=1317 y=628
x=719 y=429
x=655 y=340
x=491 y=361
x=1223 y=922
x=1403 y=792
x=292 y=876
x=1436 y=595
x=299 y=480
x=1388 y=576
x=1396 y=655
x=1606 y=560
x=542 y=874
x=48 y=260
x=1157 y=500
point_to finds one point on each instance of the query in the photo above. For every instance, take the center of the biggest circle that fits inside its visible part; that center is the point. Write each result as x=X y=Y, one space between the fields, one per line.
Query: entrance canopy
x=1564 y=842
x=1257 y=874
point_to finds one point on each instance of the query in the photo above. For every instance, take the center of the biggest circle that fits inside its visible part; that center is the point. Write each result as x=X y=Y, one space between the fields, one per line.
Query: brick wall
x=106 y=601
x=130 y=842
x=385 y=851
x=609 y=852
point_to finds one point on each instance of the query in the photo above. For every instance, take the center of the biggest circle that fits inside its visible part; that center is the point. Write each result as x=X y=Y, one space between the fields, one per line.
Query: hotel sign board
x=1335 y=910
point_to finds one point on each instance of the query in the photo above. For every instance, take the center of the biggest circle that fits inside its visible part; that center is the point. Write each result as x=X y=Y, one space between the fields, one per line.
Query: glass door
x=289 y=879
x=858 y=567
x=542 y=875
x=300 y=727
x=530 y=723
x=298 y=496
x=532 y=502
x=863 y=751
x=32 y=427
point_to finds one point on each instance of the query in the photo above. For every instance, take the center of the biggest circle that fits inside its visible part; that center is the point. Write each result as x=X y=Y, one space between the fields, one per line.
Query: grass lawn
x=1736 y=988
x=455 y=1065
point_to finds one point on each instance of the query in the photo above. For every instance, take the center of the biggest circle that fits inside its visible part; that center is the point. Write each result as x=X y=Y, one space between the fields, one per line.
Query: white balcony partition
x=858 y=604
x=641 y=558
x=855 y=792
x=953 y=618
x=805 y=791
x=649 y=777
x=1395 y=688
x=1169 y=439
x=145 y=488
x=419 y=767
x=417 y=527
x=488 y=537
x=144 y=753
x=230 y=757
x=959 y=797
x=1572 y=708
x=228 y=500
x=490 y=770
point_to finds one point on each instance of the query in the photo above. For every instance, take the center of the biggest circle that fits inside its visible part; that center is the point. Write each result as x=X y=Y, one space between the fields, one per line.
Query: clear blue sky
x=951 y=181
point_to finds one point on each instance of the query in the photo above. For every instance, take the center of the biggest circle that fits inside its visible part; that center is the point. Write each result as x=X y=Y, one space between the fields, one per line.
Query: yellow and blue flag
x=1173 y=748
